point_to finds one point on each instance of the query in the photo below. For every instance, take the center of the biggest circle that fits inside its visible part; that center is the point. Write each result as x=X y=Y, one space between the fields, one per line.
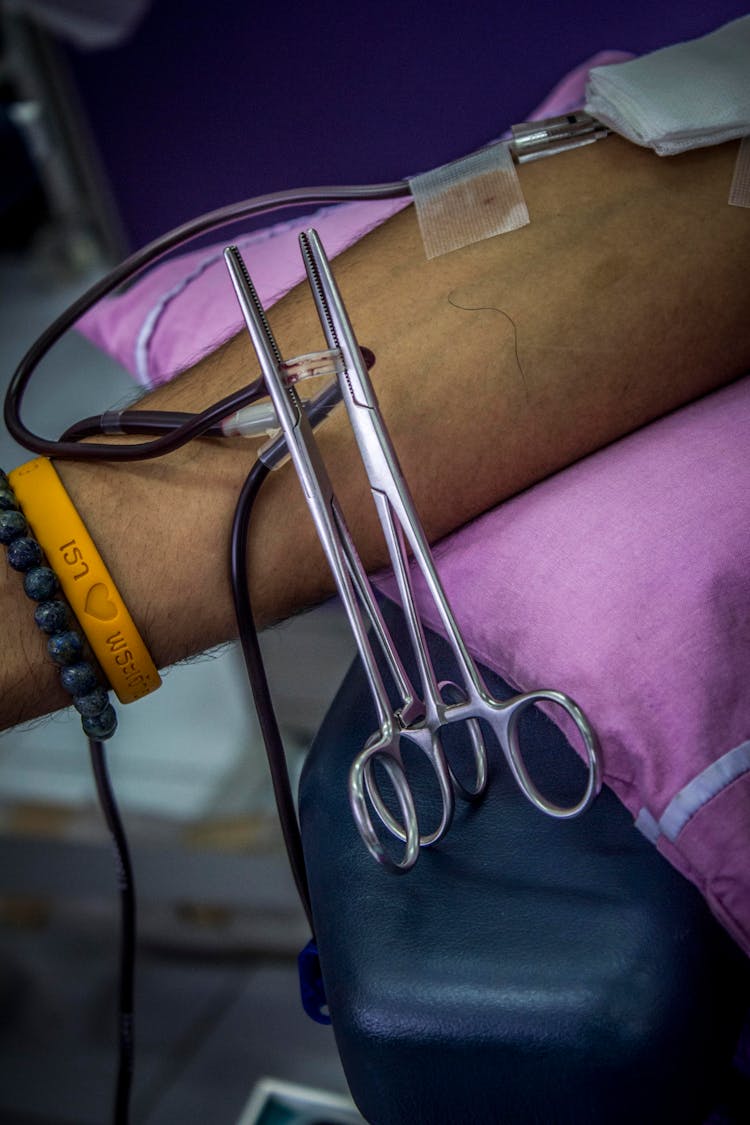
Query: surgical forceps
x=421 y=721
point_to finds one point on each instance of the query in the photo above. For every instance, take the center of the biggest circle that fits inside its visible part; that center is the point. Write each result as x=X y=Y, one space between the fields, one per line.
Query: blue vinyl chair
x=526 y=970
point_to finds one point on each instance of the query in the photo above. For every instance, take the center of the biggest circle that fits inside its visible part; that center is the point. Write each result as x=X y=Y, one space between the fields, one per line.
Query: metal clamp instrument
x=420 y=717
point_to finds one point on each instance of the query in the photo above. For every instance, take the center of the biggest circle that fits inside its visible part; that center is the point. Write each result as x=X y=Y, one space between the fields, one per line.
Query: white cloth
x=687 y=96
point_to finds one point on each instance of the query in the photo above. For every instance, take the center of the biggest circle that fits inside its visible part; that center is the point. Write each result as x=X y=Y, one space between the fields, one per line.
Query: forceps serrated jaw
x=285 y=399
x=335 y=322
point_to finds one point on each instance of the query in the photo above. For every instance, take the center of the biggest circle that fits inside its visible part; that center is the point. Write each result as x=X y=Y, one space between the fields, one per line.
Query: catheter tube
x=127 y=270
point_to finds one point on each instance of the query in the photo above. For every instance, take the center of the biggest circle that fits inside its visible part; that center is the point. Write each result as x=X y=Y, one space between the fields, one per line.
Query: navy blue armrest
x=526 y=970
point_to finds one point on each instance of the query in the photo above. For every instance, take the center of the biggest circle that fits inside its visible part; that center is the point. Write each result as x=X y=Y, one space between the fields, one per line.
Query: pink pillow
x=624 y=580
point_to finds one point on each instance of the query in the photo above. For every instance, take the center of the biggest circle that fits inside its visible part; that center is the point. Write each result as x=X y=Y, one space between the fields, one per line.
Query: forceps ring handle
x=359 y=792
x=428 y=739
x=478 y=748
x=422 y=737
x=514 y=708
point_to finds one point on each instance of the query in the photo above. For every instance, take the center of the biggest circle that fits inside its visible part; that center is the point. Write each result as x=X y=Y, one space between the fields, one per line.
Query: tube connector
x=533 y=140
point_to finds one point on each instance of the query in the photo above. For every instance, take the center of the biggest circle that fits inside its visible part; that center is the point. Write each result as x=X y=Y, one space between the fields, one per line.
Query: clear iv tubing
x=132 y=266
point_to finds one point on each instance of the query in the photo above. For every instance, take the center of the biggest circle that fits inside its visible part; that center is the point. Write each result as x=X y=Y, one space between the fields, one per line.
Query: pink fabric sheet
x=624 y=581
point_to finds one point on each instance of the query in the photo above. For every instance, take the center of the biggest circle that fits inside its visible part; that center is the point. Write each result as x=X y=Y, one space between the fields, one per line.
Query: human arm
x=496 y=365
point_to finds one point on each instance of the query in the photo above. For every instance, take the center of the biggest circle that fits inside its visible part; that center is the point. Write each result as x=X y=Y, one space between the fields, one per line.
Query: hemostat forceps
x=419 y=720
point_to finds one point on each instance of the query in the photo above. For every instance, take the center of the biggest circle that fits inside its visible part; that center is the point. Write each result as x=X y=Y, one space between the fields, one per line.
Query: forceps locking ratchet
x=420 y=720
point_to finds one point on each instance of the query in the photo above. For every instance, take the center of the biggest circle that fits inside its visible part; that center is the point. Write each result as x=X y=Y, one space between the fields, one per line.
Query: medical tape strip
x=469 y=200
x=739 y=193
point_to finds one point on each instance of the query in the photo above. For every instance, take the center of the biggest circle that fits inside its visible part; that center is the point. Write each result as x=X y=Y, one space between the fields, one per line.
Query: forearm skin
x=497 y=365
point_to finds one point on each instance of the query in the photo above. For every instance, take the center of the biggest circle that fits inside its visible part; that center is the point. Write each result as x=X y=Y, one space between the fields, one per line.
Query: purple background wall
x=212 y=102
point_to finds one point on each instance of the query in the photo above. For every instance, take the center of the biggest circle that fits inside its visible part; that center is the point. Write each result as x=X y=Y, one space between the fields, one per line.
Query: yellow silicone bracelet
x=85 y=580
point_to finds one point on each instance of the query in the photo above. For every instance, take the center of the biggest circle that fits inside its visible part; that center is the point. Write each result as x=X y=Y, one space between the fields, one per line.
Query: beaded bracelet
x=65 y=644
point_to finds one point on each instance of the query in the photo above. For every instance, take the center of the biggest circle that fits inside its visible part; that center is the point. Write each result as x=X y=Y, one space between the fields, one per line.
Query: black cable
x=150 y=422
x=128 y=269
x=125 y=1023
x=317 y=410
x=259 y=682
x=172 y=439
x=276 y=762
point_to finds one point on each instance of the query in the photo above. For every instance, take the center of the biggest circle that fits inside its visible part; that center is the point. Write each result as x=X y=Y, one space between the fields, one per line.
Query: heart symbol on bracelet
x=98 y=603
